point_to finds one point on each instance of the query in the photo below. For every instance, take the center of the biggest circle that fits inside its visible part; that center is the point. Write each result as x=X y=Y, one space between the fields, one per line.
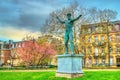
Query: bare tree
x=93 y=14
x=107 y=15
x=89 y=15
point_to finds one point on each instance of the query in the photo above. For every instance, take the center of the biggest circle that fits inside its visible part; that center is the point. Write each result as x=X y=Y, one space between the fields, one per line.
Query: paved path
x=26 y=70
x=101 y=69
x=55 y=70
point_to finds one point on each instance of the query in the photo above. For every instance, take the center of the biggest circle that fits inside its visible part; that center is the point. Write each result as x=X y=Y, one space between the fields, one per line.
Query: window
x=117 y=49
x=83 y=49
x=101 y=29
x=89 y=39
x=119 y=27
x=111 y=61
x=96 y=61
x=110 y=28
x=103 y=61
x=6 y=46
x=117 y=37
x=96 y=38
x=110 y=38
x=2 y=55
x=13 y=45
x=89 y=30
x=95 y=28
x=96 y=51
x=102 y=50
x=90 y=60
x=89 y=50
x=102 y=38
x=19 y=44
x=110 y=49
x=0 y=46
x=83 y=39
x=116 y=27
x=23 y=44
x=16 y=45
x=83 y=31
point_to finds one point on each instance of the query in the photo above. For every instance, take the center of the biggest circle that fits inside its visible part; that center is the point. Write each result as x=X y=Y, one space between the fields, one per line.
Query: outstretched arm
x=76 y=18
x=60 y=20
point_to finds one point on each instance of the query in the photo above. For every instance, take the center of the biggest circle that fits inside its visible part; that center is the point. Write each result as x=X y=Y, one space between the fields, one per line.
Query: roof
x=116 y=22
x=112 y=22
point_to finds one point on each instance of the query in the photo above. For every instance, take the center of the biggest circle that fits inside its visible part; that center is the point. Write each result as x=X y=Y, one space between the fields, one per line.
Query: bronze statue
x=69 y=22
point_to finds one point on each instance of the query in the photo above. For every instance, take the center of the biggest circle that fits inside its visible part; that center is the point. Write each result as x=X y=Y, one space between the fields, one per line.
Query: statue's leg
x=71 y=42
x=66 y=38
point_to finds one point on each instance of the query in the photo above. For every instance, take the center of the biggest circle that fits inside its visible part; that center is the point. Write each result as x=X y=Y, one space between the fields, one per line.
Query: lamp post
x=8 y=61
x=0 y=54
x=108 y=43
x=1 y=47
x=12 y=53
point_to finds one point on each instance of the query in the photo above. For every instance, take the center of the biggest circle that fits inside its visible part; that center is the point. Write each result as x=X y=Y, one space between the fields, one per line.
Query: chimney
x=10 y=41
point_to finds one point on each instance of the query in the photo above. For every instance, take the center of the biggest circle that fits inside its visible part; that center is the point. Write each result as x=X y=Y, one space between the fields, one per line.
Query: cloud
x=29 y=14
x=21 y=17
x=16 y=34
x=24 y=16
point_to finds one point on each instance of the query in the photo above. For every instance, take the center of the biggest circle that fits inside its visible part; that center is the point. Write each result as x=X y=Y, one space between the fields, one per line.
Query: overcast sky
x=21 y=17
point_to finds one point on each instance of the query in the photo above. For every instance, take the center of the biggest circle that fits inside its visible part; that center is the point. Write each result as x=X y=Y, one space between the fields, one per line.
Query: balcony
x=96 y=54
x=118 y=52
x=102 y=55
x=99 y=43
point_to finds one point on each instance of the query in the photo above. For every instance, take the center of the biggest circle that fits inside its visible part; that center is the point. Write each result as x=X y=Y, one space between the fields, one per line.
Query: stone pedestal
x=69 y=66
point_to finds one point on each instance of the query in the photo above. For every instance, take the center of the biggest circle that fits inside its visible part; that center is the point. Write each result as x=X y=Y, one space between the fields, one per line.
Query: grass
x=50 y=75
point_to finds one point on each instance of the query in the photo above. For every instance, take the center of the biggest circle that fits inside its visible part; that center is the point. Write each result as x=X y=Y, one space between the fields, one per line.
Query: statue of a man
x=69 y=22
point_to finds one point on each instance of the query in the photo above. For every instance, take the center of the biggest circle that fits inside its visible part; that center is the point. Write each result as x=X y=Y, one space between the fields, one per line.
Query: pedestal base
x=69 y=75
x=69 y=66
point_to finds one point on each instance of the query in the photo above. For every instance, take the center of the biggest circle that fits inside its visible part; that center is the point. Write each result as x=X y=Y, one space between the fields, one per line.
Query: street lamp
x=8 y=61
x=108 y=44
x=12 y=53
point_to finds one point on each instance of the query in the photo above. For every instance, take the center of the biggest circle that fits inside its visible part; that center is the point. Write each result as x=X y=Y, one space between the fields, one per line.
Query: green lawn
x=88 y=75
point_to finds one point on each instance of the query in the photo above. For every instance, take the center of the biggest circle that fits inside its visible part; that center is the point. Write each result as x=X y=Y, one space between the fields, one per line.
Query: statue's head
x=69 y=16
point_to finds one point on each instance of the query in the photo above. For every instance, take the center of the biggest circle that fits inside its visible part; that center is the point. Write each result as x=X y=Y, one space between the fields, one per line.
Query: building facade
x=8 y=53
x=5 y=51
x=100 y=44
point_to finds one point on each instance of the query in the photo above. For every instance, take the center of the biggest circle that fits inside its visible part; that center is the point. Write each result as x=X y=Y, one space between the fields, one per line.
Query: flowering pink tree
x=33 y=53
